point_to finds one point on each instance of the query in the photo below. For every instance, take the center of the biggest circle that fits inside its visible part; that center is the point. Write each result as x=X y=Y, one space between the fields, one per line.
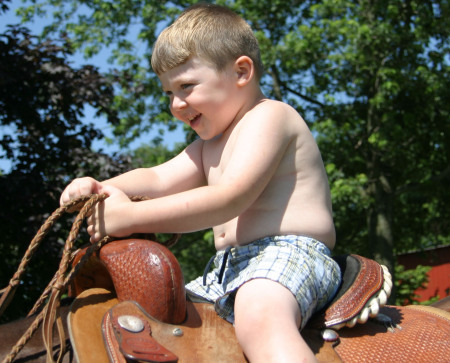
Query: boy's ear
x=244 y=69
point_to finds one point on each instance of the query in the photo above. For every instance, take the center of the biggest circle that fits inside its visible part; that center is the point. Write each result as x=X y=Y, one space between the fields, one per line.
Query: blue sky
x=36 y=27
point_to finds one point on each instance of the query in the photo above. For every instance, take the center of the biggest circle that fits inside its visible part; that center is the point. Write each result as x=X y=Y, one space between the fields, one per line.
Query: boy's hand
x=79 y=187
x=110 y=217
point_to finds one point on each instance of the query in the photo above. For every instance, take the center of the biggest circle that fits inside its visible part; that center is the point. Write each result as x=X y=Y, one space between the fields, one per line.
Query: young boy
x=255 y=175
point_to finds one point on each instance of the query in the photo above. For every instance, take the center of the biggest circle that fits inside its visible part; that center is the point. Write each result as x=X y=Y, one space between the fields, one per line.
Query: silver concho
x=178 y=332
x=329 y=335
x=131 y=323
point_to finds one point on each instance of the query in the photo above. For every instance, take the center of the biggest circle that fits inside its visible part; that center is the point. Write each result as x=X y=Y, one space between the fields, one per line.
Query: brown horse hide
x=34 y=350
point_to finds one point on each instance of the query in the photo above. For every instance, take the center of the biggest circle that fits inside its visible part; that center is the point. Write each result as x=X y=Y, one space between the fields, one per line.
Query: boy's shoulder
x=272 y=105
x=263 y=120
x=267 y=120
x=275 y=116
x=271 y=111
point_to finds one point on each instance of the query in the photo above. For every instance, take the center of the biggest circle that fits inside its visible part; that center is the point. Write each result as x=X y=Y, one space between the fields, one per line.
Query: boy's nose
x=178 y=104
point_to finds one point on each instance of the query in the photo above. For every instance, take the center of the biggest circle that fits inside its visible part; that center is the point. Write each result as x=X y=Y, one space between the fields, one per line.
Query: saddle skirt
x=365 y=288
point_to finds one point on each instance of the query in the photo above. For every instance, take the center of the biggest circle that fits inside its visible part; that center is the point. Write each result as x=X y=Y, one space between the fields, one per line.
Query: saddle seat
x=166 y=320
x=201 y=337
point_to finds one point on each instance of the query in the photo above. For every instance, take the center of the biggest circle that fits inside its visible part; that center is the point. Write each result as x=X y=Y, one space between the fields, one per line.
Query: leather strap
x=202 y=337
x=131 y=342
x=51 y=316
x=112 y=345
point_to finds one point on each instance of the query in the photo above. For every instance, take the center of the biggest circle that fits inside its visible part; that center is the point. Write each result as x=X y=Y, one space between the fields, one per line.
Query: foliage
x=383 y=131
x=408 y=281
x=193 y=251
x=96 y=25
x=42 y=103
x=41 y=97
x=371 y=78
x=150 y=155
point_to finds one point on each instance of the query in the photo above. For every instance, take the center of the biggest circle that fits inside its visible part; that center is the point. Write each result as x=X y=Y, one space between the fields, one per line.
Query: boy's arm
x=183 y=172
x=257 y=152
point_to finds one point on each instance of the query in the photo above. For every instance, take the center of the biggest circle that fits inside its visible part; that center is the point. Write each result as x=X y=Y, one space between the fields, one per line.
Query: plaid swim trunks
x=301 y=264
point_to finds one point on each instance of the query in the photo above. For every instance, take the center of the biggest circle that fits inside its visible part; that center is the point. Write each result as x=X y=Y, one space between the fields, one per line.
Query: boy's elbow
x=240 y=200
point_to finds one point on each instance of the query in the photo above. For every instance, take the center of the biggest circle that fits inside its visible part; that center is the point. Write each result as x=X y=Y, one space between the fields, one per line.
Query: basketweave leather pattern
x=148 y=273
x=368 y=281
x=413 y=336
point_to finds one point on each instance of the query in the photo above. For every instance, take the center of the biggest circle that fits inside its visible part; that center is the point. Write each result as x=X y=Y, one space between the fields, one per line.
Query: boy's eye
x=183 y=86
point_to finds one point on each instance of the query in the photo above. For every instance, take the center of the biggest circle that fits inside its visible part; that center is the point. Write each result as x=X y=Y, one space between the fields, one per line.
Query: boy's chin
x=206 y=137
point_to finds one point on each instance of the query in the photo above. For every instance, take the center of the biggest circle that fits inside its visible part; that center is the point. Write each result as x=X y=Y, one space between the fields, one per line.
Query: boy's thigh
x=266 y=299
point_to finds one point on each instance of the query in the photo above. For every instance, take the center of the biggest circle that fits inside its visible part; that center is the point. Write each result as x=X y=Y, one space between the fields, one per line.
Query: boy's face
x=202 y=97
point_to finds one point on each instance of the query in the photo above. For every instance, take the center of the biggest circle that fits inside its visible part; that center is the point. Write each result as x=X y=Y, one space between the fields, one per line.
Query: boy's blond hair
x=211 y=32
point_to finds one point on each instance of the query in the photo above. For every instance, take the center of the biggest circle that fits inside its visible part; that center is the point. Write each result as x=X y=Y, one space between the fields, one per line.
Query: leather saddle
x=131 y=301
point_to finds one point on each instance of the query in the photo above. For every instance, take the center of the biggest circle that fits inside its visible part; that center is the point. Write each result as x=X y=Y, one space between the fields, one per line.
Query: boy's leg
x=267 y=319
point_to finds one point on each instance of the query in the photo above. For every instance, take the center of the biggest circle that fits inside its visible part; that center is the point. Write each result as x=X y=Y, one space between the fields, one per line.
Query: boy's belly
x=252 y=226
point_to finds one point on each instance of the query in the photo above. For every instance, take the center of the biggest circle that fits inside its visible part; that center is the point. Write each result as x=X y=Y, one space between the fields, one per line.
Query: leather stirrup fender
x=127 y=333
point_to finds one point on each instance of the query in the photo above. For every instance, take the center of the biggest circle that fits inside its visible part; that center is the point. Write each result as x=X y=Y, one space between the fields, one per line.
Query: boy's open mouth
x=193 y=120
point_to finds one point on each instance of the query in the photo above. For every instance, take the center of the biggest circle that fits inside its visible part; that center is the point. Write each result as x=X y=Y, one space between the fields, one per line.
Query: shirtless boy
x=255 y=175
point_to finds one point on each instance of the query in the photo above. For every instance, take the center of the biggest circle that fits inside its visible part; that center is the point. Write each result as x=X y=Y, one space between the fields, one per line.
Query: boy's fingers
x=90 y=230
x=109 y=190
x=76 y=189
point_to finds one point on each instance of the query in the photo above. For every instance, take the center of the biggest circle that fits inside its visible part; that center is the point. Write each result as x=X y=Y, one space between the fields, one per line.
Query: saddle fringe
x=372 y=307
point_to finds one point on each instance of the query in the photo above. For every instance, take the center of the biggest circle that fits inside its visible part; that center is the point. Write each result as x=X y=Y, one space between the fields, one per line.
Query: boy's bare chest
x=216 y=158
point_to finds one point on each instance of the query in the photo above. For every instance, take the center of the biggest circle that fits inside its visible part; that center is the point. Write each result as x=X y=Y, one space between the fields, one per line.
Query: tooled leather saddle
x=151 y=320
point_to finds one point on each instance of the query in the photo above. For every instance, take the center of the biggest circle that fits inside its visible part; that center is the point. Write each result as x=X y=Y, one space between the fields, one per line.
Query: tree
x=42 y=101
x=371 y=77
x=384 y=119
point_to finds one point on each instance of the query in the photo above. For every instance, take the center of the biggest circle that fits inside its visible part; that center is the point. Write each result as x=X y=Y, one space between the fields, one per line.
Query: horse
x=34 y=350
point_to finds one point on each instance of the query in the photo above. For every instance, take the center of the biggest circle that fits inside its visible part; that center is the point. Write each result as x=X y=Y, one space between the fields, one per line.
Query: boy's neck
x=253 y=98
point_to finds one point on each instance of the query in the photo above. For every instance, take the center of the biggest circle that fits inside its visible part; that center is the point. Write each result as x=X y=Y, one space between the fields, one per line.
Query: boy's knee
x=251 y=330
x=260 y=318
x=252 y=319
x=269 y=337
x=263 y=303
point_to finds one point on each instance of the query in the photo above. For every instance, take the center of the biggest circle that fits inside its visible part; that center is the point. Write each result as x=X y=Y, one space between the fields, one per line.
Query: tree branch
x=278 y=84
x=412 y=187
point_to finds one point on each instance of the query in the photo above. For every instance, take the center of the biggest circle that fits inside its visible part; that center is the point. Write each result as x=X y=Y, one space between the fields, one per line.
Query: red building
x=439 y=275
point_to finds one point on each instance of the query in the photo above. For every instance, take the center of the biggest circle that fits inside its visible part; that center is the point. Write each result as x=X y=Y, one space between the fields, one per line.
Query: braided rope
x=58 y=282
x=40 y=317
x=63 y=276
x=68 y=248
x=8 y=292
